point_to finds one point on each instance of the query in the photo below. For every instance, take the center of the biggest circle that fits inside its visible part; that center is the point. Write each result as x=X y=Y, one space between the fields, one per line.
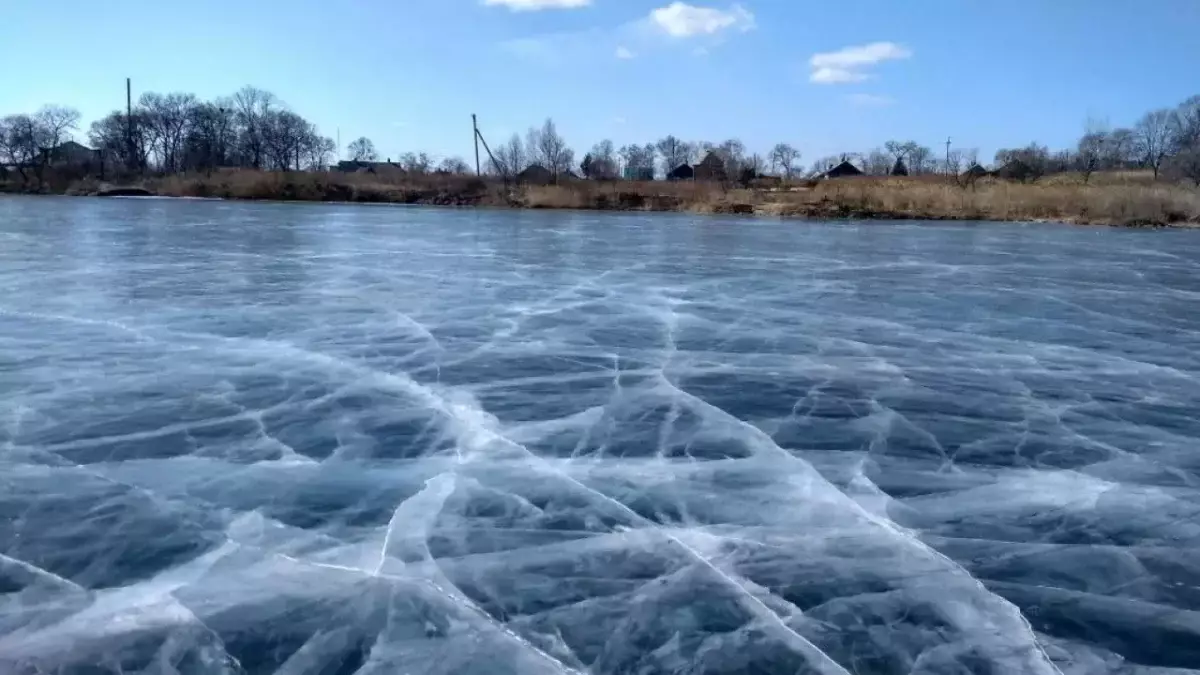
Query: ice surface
x=319 y=440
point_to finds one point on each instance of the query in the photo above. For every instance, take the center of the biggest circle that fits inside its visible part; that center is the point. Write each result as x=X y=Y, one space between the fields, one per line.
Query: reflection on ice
x=419 y=442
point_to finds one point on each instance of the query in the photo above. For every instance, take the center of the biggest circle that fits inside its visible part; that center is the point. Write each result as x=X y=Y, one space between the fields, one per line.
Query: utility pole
x=947 y=155
x=475 y=137
x=129 y=120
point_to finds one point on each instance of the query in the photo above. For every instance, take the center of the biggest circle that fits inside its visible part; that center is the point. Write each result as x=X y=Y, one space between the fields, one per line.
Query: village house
x=712 y=167
x=842 y=170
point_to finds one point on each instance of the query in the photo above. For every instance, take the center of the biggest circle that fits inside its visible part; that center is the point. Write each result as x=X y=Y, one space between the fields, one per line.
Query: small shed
x=712 y=167
x=842 y=170
x=682 y=172
x=535 y=174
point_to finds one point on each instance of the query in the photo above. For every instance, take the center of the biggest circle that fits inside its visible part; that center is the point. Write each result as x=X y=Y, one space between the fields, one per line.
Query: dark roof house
x=842 y=170
x=682 y=172
x=72 y=153
x=535 y=174
x=976 y=171
x=712 y=167
x=358 y=165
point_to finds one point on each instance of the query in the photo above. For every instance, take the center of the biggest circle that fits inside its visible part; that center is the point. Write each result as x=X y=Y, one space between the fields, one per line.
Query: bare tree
x=701 y=149
x=362 y=149
x=919 y=159
x=952 y=165
x=25 y=139
x=56 y=123
x=970 y=157
x=1185 y=127
x=674 y=152
x=1090 y=153
x=1185 y=164
x=454 y=165
x=20 y=139
x=416 y=162
x=733 y=153
x=251 y=106
x=1153 y=134
x=320 y=151
x=213 y=133
x=1119 y=150
x=638 y=157
x=784 y=158
x=601 y=162
x=511 y=158
x=549 y=149
x=1025 y=164
x=877 y=163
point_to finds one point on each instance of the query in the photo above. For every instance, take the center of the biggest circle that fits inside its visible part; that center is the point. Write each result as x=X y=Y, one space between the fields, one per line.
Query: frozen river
x=324 y=440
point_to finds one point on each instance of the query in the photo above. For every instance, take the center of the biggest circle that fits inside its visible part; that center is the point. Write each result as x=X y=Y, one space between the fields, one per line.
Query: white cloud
x=870 y=100
x=835 y=76
x=537 y=5
x=847 y=64
x=624 y=53
x=681 y=20
x=618 y=120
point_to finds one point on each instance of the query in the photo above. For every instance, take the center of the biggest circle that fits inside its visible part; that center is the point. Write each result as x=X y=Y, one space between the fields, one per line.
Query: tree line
x=252 y=128
x=176 y=132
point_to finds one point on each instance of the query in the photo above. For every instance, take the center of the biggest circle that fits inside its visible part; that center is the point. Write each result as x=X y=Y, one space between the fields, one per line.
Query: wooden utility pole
x=129 y=120
x=475 y=137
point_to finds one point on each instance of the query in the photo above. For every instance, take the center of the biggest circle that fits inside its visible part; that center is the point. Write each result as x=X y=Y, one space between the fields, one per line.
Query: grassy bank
x=1109 y=199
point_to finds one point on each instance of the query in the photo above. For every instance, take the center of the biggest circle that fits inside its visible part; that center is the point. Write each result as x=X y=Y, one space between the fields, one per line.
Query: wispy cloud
x=870 y=100
x=848 y=64
x=681 y=20
x=537 y=5
x=675 y=26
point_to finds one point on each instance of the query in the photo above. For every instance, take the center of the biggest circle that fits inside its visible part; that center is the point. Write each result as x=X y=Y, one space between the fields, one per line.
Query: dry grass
x=1118 y=198
x=329 y=186
x=1115 y=202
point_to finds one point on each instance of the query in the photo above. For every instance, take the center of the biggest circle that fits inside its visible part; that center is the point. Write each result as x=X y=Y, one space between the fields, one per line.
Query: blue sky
x=825 y=76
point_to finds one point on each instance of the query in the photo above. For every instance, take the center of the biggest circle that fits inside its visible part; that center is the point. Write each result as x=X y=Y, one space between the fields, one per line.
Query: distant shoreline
x=1119 y=199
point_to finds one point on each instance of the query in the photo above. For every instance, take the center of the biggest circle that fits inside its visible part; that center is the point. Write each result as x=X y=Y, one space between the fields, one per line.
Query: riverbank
x=1118 y=199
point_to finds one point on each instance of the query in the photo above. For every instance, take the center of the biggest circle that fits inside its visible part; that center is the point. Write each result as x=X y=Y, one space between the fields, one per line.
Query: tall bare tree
x=1153 y=138
x=733 y=154
x=1185 y=129
x=548 y=148
x=251 y=106
x=56 y=123
x=1185 y=164
x=674 y=152
x=602 y=164
x=784 y=158
x=511 y=158
x=362 y=149
x=919 y=159
x=416 y=162
x=454 y=165
x=877 y=163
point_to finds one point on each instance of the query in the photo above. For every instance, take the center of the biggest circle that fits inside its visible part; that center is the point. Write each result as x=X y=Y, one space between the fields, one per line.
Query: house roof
x=843 y=169
x=73 y=146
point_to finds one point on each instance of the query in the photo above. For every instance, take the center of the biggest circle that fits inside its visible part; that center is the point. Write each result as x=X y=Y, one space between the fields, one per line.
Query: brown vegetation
x=1117 y=198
